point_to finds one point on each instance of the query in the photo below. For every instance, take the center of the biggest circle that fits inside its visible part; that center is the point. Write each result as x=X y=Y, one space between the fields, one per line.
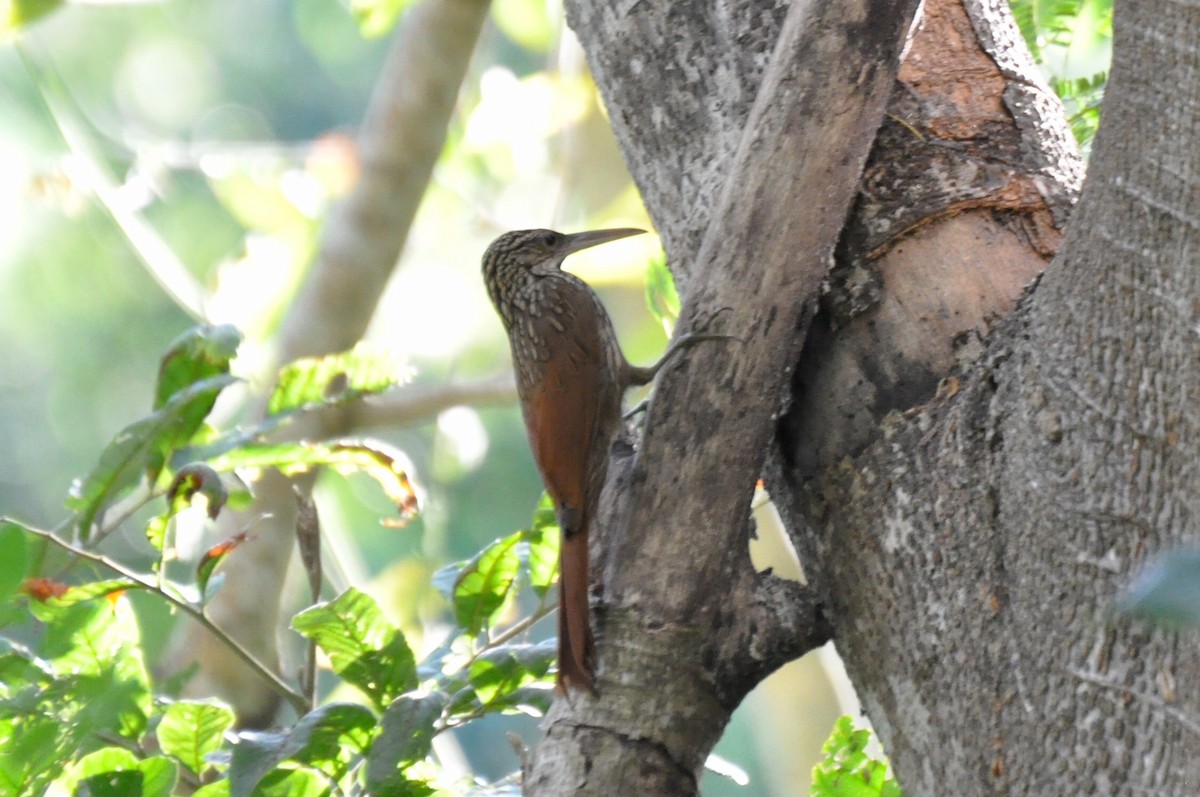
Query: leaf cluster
x=848 y=770
x=81 y=714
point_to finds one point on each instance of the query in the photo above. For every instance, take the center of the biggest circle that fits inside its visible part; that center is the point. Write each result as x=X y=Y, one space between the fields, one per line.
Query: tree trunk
x=963 y=530
x=970 y=556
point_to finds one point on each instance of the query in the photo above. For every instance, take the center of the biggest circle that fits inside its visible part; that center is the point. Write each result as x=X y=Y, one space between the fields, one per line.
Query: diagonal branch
x=681 y=528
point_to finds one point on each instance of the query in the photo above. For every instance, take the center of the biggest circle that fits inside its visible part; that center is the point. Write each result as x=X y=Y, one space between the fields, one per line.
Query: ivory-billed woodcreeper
x=571 y=377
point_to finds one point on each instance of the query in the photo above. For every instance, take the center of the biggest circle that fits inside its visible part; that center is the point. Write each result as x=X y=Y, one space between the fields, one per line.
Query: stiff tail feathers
x=576 y=646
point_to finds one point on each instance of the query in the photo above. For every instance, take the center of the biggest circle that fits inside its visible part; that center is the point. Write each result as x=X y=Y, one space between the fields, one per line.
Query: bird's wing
x=566 y=398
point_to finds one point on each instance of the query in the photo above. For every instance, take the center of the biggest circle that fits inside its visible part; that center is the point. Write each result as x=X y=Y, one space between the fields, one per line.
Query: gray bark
x=677 y=654
x=964 y=544
x=969 y=556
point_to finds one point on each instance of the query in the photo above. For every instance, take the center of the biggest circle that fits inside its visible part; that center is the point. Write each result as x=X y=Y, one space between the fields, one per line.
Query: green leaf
x=32 y=752
x=292 y=783
x=527 y=22
x=661 y=296
x=218 y=789
x=16 y=14
x=197 y=354
x=115 y=775
x=500 y=671
x=336 y=378
x=330 y=738
x=543 y=543
x=142 y=448
x=377 y=17
x=846 y=770
x=408 y=727
x=50 y=599
x=214 y=557
x=14 y=556
x=363 y=647
x=380 y=462
x=191 y=730
x=484 y=584
x=191 y=480
x=94 y=648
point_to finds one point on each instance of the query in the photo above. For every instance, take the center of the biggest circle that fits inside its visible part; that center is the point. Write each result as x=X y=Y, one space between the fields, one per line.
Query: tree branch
x=399 y=141
x=682 y=528
x=268 y=676
x=412 y=405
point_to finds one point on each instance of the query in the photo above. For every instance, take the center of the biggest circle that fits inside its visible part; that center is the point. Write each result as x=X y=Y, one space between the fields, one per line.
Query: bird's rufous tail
x=576 y=646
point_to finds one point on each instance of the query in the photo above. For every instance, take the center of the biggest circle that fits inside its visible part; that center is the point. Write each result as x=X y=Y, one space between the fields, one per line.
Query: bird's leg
x=636 y=376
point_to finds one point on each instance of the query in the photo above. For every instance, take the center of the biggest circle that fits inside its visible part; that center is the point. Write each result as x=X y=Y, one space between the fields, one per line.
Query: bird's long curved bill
x=584 y=240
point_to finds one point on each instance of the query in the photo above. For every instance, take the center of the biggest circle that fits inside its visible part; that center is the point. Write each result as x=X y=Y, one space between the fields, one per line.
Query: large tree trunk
x=969 y=557
x=963 y=530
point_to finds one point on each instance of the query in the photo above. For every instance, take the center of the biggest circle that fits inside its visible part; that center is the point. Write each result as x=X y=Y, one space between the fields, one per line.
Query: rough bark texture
x=969 y=558
x=965 y=543
x=676 y=655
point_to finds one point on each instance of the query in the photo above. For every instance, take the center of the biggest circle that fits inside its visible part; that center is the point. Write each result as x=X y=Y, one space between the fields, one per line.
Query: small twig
x=518 y=628
x=414 y=404
x=297 y=700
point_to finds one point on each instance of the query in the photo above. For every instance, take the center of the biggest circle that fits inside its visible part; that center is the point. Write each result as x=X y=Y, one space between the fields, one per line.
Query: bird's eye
x=549 y=238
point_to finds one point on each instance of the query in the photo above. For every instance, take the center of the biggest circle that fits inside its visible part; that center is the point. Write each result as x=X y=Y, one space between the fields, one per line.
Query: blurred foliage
x=1072 y=41
x=1166 y=592
x=78 y=705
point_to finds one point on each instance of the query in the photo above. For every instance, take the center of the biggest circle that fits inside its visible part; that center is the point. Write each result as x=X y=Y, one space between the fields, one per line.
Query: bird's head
x=541 y=251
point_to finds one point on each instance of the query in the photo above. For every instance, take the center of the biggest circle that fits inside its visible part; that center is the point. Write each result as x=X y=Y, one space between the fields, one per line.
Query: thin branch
x=520 y=627
x=413 y=405
x=297 y=700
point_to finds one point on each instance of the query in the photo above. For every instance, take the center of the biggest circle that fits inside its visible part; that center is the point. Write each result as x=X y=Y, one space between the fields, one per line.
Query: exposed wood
x=961 y=207
x=970 y=553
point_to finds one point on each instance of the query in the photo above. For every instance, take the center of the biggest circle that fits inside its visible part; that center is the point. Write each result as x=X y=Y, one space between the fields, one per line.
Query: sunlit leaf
x=142 y=447
x=190 y=730
x=215 y=556
x=16 y=14
x=661 y=296
x=846 y=770
x=543 y=539
x=218 y=789
x=379 y=461
x=292 y=783
x=527 y=22
x=116 y=772
x=377 y=17
x=97 y=644
x=336 y=378
x=483 y=585
x=198 y=353
x=363 y=647
x=193 y=479
x=500 y=671
x=406 y=736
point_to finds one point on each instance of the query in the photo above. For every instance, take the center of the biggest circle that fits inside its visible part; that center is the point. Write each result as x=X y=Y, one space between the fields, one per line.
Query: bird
x=571 y=378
